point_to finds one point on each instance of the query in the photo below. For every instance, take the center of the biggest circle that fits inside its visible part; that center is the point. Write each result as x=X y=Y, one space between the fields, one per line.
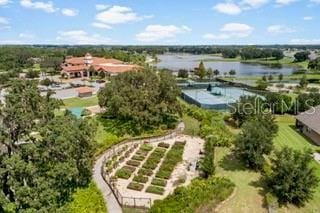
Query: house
x=87 y=66
x=309 y=124
x=84 y=92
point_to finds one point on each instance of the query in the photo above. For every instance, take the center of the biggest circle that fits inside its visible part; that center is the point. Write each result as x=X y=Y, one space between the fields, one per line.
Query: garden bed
x=155 y=190
x=140 y=179
x=159 y=182
x=125 y=172
x=135 y=186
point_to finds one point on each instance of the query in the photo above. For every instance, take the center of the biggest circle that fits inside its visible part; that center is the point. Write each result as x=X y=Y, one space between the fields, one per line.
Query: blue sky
x=165 y=22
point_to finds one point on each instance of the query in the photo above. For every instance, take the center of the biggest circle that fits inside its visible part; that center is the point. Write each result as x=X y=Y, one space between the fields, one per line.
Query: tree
x=201 y=71
x=32 y=74
x=246 y=108
x=280 y=77
x=216 y=72
x=279 y=103
x=303 y=81
x=183 y=73
x=232 y=72
x=39 y=173
x=264 y=78
x=143 y=100
x=292 y=179
x=210 y=73
x=253 y=143
x=301 y=56
x=314 y=64
x=270 y=78
x=207 y=162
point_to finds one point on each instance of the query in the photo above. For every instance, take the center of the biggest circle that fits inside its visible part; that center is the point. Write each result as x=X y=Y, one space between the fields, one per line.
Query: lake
x=189 y=61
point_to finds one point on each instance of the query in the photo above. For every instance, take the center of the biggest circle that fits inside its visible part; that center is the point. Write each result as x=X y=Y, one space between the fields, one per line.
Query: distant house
x=85 y=92
x=87 y=66
x=309 y=124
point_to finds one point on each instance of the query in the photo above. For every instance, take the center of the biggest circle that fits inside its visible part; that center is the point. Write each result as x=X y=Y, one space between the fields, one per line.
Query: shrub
x=196 y=195
x=164 y=145
x=133 y=163
x=138 y=157
x=272 y=202
x=135 y=186
x=147 y=172
x=140 y=179
x=155 y=190
x=159 y=182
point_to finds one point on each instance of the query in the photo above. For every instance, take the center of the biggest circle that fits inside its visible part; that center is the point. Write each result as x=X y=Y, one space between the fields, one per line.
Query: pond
x=189 y=61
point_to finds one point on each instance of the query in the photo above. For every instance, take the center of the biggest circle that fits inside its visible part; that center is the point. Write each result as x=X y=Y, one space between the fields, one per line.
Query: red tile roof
x=82 y=90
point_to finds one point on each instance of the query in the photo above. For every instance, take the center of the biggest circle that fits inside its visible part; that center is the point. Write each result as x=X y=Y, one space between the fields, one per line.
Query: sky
x=159 y=22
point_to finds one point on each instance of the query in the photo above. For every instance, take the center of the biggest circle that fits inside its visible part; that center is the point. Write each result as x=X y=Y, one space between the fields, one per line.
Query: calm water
x=188 y=61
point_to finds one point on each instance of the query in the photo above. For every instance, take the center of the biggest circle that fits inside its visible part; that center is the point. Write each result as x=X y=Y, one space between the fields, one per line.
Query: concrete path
x=110 y=200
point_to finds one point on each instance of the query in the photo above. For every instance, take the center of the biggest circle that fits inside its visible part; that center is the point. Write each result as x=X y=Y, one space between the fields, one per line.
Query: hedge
x=199 y=194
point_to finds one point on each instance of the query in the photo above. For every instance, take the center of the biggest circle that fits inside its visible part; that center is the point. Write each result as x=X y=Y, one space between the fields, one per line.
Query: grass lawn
x=288 y=136
x=192 y=126
x=87 y=200
x=249 y=196
x=80 y=102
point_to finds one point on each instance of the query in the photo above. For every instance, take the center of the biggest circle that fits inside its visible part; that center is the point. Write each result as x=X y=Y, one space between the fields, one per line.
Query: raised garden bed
x=155 y=190
x=135 y=186
x=159 y=182
x=164 y=145
x=125 y=172
x=154 y=159
x=146 y=172
x=173 y=157
x=138 y=157
x=133 y=163
x=140 y=179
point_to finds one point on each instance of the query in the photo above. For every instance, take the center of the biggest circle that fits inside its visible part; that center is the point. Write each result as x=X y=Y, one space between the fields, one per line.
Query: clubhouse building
x=308 y=123
x=79 y=67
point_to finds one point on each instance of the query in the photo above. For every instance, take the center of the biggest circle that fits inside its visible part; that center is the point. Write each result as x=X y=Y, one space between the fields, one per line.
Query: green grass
x=249 y=196
x=192 y=126
x=288 y=136
x=87 y=200
x=80 y=102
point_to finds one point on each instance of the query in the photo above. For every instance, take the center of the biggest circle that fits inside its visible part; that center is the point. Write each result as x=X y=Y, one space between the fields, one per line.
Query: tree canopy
x=143 y=99
x=292 y=179
x=44 y=158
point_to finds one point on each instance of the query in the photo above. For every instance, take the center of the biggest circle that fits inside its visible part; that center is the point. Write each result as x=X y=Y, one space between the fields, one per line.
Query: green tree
x=144 y=100
x=301 y=56
x=303 y=81
x=292 y=179
x=280 y=77
x=216 y=72
x=270 y=77
x=253 y=143
x=207 y=166
x=201 y=71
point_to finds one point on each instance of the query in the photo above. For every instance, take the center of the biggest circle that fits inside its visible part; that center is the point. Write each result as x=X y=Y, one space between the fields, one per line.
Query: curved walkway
x=110 y=200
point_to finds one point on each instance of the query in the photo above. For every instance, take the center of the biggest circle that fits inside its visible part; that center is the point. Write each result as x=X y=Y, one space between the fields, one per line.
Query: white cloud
x=228 y=8
x=253 y=3
x=285 y=2
x=69 y=12
x=4 y=23
x=81 y=37
x=154 y=33
x=307 y=18
x=119 y=15
x=231 y=30
x=102 y=6
x=279 y=29
x=4 y=2
x=26 y=35
x=38 y=5
x=101 y=25
x=305 y=41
